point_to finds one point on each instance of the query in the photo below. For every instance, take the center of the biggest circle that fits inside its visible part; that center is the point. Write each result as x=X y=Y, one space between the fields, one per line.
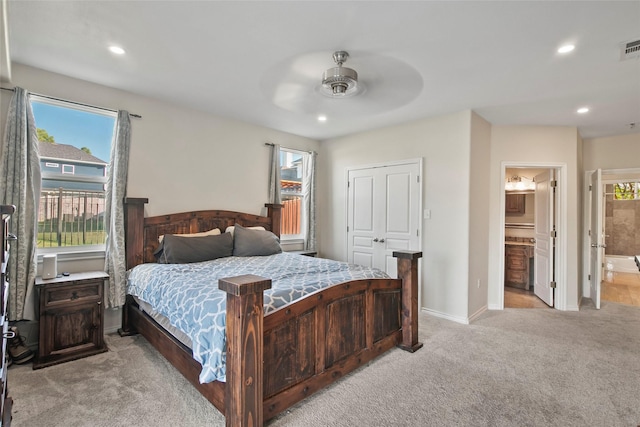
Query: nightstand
x=71 y=314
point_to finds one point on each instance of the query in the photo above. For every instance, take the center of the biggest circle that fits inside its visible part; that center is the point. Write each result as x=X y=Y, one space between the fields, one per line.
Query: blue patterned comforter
x=188 y=294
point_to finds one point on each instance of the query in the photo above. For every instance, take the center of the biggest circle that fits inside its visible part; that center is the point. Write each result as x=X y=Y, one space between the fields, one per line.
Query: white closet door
x=383 y=214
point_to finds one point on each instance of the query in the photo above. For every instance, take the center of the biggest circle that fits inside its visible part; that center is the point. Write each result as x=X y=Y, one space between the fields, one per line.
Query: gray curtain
x=274 y=175
x=20 y=186
x=309 y=199
x=115 y=260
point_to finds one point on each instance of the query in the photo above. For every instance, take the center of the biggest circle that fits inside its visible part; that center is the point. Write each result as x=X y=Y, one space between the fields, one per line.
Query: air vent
x=630 y=50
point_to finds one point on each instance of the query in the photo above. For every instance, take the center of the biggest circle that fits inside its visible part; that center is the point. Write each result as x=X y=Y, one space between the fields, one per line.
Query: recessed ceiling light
x=566 y=48
x=322 y=118
x=117 y=50
x=582 y=110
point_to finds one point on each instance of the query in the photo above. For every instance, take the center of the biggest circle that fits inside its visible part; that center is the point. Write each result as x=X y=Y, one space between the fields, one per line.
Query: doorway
x=529 y=216
x=612 y=276
x=556 y=251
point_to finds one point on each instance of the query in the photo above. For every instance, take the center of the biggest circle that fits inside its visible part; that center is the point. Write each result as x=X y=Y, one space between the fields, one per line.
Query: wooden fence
x=291 y=216
x=71 y=218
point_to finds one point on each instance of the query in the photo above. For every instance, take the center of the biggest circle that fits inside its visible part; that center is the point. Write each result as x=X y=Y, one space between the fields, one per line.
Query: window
x=68 y=169
x=291 y=184
x=75 y=147
x=626 y=191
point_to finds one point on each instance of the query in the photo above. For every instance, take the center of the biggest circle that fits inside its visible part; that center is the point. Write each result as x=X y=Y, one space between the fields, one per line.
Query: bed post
x=243 y=397
x=133 y=229
x=408 y=272
x=274 y=211
x=134 y=246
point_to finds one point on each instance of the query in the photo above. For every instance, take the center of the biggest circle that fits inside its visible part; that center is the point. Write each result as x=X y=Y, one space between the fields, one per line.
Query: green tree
x=86 y=150
x=44 y=136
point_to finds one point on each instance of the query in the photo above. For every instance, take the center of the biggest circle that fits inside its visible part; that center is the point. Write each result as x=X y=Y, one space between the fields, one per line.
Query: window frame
x=76 y=252
x=73 y=170
x=300 y=237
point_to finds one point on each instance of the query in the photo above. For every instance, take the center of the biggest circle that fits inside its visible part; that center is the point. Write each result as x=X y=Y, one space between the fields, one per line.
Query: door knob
x=381 y=240
x=375 y=240
x=594 y=245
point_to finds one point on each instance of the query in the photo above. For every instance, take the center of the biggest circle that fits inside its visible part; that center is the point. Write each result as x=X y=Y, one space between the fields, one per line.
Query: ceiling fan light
x=339 y=81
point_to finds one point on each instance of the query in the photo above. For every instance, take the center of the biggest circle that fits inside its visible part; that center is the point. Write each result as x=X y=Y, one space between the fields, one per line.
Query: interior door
x=362 y=216
x=596 y=237
x=383 y=214
x=544 y=231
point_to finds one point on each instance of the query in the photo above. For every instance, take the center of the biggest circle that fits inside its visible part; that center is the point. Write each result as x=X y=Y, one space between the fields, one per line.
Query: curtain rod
x=73 y=102
x=290 y=149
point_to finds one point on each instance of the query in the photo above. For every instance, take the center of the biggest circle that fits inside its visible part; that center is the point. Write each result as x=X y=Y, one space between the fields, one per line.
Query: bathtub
x=620 y=263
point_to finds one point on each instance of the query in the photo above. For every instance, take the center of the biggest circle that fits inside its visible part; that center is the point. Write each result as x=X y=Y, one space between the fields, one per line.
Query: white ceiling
x=261 y=62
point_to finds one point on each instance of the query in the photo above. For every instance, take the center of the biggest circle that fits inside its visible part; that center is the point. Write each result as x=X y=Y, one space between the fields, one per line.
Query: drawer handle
x=9 y=335
x=11 y=236
x=74 y=295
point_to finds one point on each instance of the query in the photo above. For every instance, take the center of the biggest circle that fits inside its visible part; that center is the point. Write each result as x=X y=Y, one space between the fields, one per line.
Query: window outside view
x=291 y=192
x=626 y=191
x=75 y=147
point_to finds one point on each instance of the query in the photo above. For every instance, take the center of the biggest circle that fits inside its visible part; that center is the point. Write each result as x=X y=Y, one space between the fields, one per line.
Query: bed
x=275 y=360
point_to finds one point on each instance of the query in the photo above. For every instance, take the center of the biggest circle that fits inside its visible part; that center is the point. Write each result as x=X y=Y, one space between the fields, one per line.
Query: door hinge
x=589 y=277
x=347 y=228
x=553 y=183
x=418 y=178
x=589 y=232
x=589 y=188
x=552 y=285
x=348 y=184
x=553 y=234
x=417 y=233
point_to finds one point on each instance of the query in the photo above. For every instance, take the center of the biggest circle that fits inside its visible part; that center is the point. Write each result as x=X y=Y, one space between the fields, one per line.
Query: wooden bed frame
x=276 y=360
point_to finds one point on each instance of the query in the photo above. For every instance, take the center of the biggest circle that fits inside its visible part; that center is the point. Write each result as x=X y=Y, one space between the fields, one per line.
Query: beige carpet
x=525 y=367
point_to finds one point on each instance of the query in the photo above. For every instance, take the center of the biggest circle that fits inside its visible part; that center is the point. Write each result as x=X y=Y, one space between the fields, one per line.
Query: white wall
x=181 y=159
x=536 y=145
x=443 y=144
x=615 y=152
x=480 y=163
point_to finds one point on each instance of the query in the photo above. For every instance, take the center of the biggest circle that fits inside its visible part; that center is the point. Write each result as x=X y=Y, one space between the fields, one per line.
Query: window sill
x=292 y=244
x=73 y=253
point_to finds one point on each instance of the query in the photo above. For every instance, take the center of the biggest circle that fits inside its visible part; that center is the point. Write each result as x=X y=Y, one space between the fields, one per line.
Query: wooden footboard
x=276 y=360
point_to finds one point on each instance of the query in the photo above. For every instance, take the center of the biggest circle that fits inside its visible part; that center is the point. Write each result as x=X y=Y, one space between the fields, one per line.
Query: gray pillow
x=180 y=250
x=254 y=242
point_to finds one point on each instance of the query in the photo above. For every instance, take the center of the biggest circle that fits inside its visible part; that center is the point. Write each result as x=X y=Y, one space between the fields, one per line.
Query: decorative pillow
x=230 y=228
x=212 y=232
x=247 y=242
x=181 y=249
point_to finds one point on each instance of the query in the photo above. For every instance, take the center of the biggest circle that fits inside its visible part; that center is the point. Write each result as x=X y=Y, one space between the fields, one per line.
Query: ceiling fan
x=302 y=84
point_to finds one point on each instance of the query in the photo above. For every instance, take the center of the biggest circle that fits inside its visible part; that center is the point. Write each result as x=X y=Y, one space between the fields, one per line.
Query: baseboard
x=458 y=319
x=112 y=320
x=477 y=314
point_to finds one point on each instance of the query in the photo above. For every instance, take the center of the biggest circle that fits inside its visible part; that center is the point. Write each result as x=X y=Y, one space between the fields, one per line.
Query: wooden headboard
x=141 y=234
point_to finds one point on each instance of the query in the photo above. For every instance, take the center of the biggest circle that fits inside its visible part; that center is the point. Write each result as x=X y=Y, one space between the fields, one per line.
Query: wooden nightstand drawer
x=71 y=317
x=78 y=293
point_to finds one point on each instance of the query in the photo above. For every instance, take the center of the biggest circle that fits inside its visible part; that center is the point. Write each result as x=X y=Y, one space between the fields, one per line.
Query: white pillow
x=212 y=232
x=231 y=228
